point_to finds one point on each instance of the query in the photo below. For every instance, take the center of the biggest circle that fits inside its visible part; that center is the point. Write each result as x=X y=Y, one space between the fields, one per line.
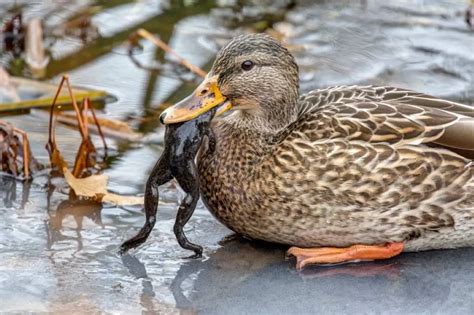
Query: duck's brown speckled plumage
x=340 y=166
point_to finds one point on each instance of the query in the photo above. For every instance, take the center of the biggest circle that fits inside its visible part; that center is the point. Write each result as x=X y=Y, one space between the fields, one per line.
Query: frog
x=182 y=143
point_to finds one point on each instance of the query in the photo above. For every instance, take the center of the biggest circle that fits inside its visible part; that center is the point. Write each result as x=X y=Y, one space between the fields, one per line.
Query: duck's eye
x=247 y=65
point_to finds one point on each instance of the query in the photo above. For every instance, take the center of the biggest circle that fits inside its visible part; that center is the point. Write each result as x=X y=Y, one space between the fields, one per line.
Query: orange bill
x=204 y=98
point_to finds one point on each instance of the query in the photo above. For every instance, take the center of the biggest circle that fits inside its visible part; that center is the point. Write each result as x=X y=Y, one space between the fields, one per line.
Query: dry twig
x=158 y=42
x=12 y=149
x=84 y=158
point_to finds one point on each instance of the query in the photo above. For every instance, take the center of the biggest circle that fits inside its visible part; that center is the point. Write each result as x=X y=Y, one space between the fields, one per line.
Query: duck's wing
x=386 y=114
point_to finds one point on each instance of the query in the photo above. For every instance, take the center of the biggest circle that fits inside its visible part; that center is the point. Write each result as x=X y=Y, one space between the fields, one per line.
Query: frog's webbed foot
x=138 y=239
x=184 y=243
x=197 y=252
x=189 y=181
x=130 y=244
x=159 y=175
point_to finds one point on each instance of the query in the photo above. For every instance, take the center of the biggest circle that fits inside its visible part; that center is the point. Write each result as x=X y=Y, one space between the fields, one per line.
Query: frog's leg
x=160 y=175
x=332 y=255
x=189 y=181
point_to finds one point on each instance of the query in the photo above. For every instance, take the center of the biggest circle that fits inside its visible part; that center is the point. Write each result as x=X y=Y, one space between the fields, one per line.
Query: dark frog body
x=182 y=142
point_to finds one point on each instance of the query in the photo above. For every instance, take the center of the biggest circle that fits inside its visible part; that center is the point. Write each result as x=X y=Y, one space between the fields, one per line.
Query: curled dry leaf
x=120 y=200
x=15 y=152
x=95 y=187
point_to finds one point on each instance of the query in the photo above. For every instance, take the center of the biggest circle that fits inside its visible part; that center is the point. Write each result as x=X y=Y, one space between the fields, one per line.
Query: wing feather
x=386 y=114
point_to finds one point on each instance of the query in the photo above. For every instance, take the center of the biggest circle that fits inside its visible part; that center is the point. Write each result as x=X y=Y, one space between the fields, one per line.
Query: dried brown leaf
x=95 y=187
x=120 y=200
x=57 y=160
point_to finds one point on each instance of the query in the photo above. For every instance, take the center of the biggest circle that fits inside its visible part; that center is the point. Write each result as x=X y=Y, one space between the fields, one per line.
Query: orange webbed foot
x=333 y=255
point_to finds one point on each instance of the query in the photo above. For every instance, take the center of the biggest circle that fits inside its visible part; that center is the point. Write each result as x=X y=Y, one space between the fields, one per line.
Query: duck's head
x=253 y=75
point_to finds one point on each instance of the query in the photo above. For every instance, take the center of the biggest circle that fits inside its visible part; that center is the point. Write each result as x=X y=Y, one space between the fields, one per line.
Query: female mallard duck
x=367 y=172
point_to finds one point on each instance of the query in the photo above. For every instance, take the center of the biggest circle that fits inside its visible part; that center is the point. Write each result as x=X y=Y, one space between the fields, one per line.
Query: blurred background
x=58 y=253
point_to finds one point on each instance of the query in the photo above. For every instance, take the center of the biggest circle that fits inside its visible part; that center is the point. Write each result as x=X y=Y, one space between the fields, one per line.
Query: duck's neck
x=268 y=119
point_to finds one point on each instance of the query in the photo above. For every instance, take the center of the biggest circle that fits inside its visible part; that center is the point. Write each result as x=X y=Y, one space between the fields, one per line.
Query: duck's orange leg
x=332 y=255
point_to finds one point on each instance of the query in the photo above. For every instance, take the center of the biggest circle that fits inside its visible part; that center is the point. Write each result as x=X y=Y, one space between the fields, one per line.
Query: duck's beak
x=204 y=98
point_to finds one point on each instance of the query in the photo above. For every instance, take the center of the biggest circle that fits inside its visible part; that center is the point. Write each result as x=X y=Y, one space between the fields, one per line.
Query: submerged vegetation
x=16 y=158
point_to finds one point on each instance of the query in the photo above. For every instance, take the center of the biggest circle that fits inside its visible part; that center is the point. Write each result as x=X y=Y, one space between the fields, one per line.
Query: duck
x=341 y=174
